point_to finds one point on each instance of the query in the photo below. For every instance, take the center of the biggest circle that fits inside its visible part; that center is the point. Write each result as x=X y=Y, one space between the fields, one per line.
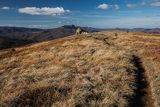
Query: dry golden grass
x=74 y=71
x=147 y=46
x=93 y=70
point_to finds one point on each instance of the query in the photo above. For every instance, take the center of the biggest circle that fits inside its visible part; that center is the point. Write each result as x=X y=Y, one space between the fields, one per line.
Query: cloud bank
x=155 y=4
x=105 y=6
x=5 y=8
x=43 y=11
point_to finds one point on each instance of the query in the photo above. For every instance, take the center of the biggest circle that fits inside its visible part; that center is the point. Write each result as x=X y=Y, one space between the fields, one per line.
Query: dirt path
x=143 y=96
x=147 y=46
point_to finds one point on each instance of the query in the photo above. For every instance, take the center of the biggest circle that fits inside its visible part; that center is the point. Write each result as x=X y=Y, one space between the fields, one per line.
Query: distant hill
x=34 y=34
x=18 y=29
x=55 y=33
x=17 y=36
x=152 y=30
x=20 y=33
x=60 y=32
x=6 y=42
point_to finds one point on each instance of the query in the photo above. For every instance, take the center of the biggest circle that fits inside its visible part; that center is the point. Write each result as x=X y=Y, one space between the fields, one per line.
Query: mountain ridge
x=19 y=36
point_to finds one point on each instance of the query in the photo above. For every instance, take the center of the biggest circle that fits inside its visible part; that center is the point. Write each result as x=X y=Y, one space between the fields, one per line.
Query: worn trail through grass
x=143 y=96
x=144 y=93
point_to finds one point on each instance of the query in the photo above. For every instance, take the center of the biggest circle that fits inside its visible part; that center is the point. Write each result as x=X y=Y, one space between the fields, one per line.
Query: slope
x=85 y=70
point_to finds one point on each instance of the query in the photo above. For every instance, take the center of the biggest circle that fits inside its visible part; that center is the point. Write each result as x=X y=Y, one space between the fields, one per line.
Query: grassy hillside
x=147 y=48
x=99 y=69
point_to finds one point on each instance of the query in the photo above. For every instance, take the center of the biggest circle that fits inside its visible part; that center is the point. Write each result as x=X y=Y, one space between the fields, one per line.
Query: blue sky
x=93 y=13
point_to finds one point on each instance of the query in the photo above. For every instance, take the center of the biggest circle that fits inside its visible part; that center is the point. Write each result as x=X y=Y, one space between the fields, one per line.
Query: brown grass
x=147 y=47
x=73 y=71
x=93 y=70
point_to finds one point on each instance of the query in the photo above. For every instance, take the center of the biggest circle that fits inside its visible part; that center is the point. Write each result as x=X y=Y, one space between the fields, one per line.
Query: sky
x=91 y=13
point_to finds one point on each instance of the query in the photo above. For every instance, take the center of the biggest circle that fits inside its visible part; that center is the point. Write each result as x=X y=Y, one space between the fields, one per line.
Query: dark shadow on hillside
x=41 y=97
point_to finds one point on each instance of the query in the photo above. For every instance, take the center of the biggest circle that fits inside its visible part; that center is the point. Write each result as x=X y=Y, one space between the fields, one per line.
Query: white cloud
x=103 y=6
x=43 y=11
x=5 y=8
x=155 y=4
